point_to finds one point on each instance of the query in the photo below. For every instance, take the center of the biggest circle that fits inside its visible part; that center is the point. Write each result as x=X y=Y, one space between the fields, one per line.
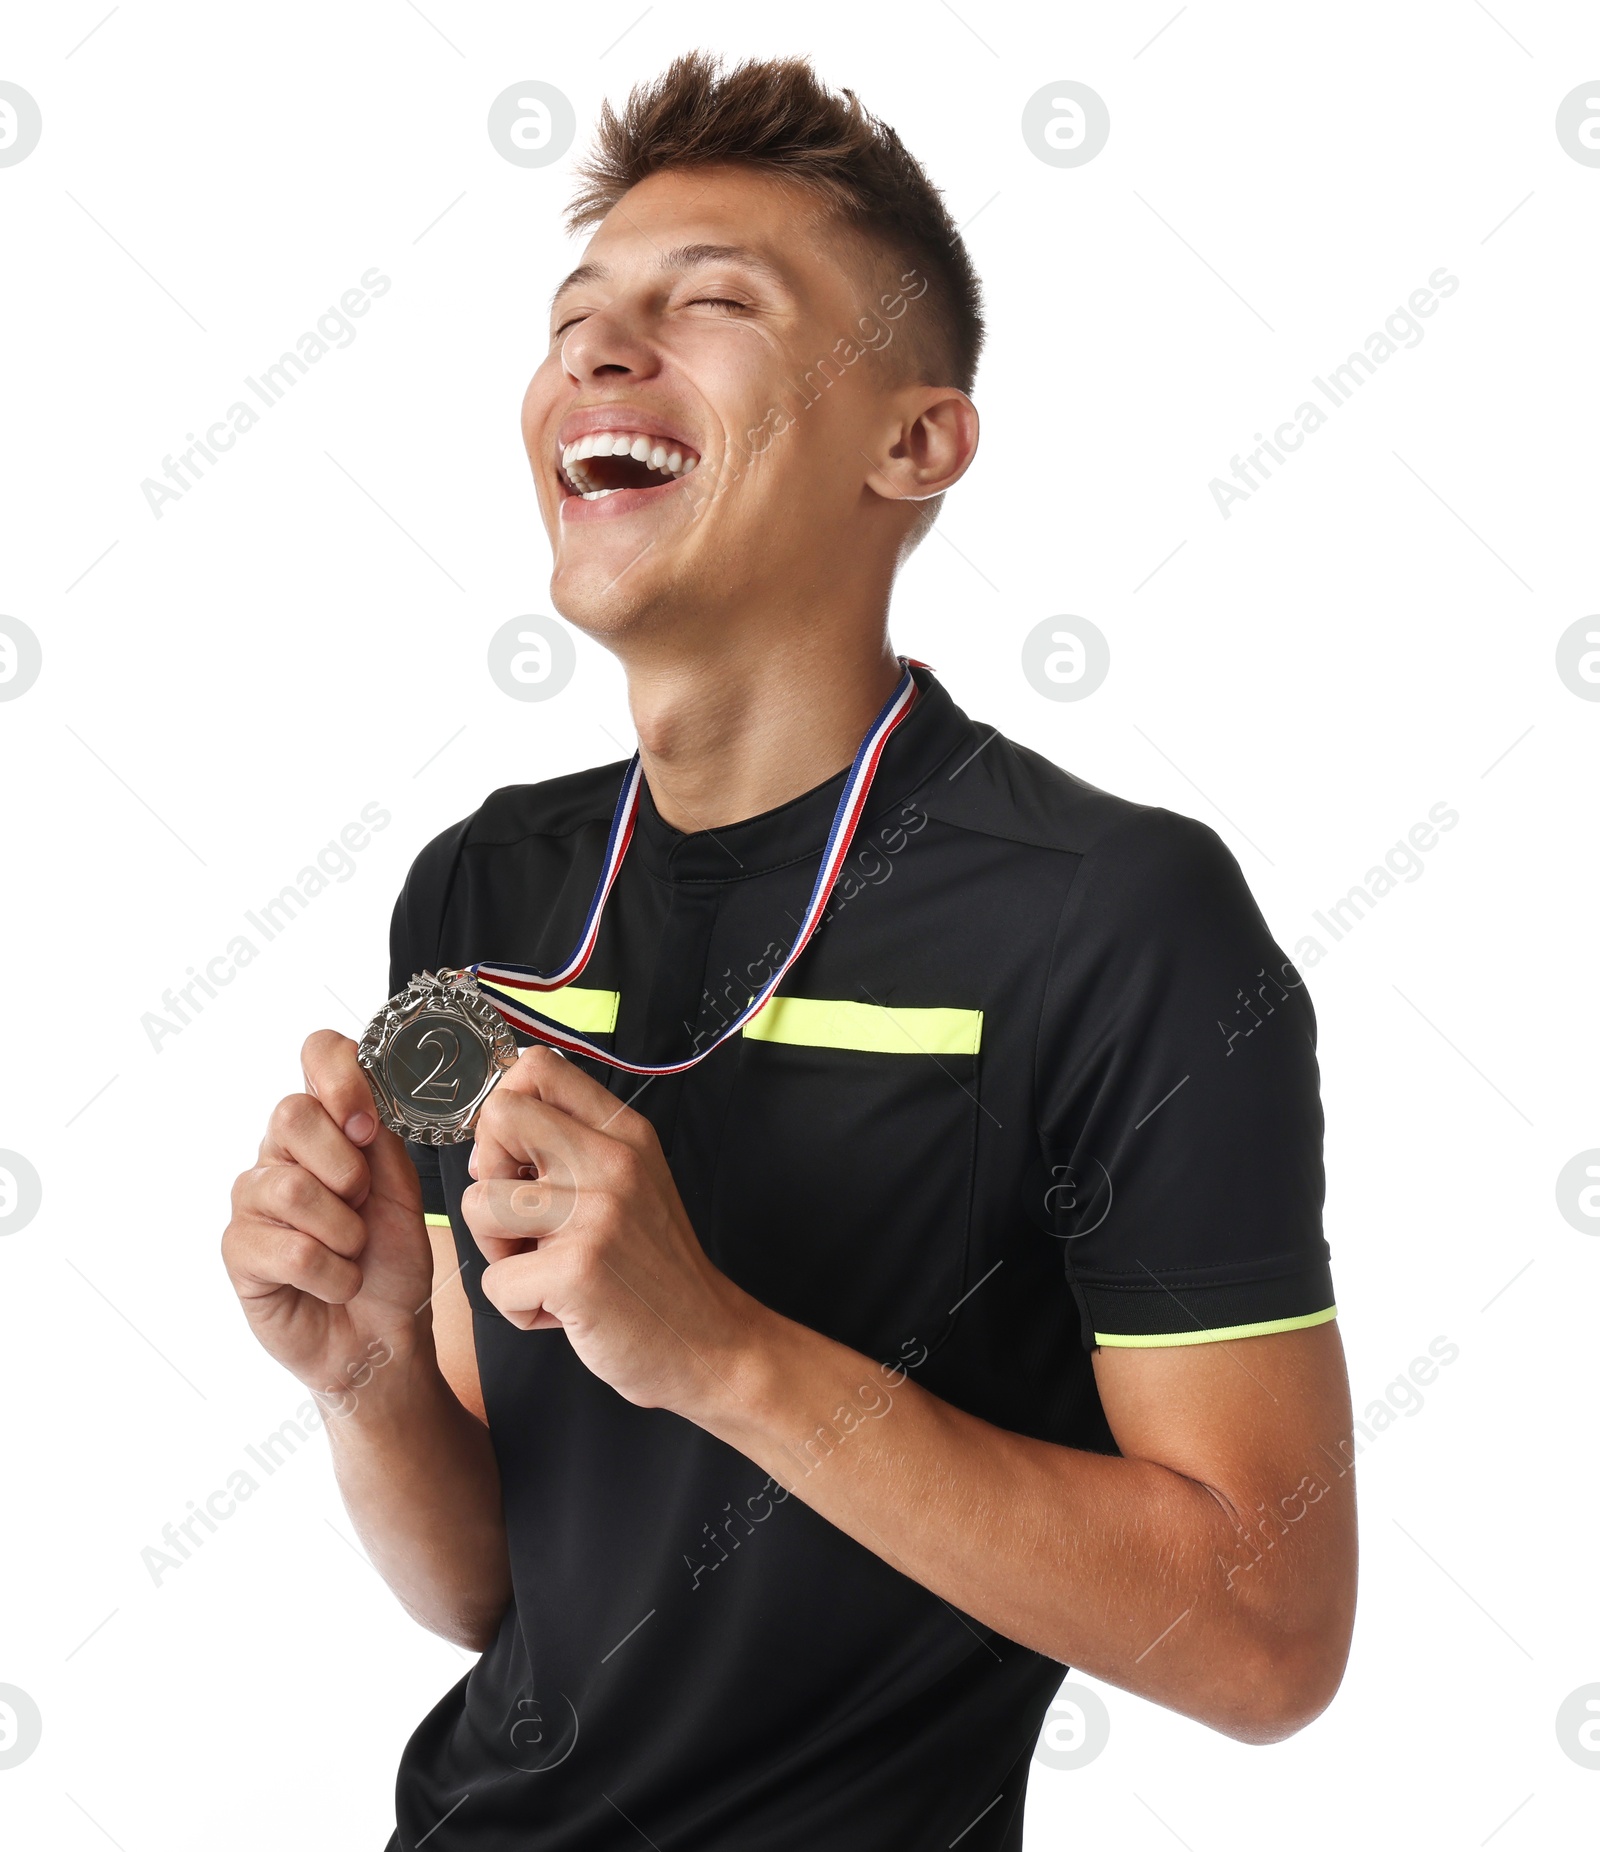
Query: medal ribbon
x=852 y=803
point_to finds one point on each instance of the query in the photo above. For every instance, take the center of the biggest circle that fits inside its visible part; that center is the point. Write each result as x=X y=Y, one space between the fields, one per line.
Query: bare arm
x=1211 y=1569
x=331 y=1260
x=419 y=1480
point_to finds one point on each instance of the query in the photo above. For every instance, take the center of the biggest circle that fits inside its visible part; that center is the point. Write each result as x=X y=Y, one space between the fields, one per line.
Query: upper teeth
x=665 y=458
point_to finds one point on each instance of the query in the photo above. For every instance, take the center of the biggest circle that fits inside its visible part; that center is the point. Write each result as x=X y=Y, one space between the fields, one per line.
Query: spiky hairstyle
x=776 y=116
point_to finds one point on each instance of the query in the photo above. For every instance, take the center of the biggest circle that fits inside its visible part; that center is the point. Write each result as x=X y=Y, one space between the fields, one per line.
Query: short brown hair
x=777 y=116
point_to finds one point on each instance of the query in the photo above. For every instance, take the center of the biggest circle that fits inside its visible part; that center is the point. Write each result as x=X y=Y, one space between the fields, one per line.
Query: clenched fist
x=327 y=1248
x=577 y=1213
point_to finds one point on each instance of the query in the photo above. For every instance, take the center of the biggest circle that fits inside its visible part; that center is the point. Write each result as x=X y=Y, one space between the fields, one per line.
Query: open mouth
x=607 y=462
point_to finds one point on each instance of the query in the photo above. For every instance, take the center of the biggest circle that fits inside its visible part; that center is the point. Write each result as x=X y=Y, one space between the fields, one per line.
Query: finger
x=294 y=1196
x=300 y=1132
x=517 y=1128
x=506 y=1213
x=263 y=1258
x=334 y=1076
x=517 y=1287
x=393 y=1173
x=546 y=1075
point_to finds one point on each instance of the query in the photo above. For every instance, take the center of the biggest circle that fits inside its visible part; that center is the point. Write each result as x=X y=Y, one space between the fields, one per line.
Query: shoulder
x=1171 y=873
x=519 y=835
x=515 y=816
x=553 y=807
x=1119 y=852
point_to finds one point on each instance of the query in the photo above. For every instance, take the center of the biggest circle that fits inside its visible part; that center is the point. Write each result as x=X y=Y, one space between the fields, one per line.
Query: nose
x=608 y=345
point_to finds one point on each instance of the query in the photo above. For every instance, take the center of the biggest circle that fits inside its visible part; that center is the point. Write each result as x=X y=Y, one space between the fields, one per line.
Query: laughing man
x=800 y=1388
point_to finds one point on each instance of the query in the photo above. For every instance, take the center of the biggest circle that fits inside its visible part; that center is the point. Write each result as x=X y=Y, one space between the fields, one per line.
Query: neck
x=726 y=734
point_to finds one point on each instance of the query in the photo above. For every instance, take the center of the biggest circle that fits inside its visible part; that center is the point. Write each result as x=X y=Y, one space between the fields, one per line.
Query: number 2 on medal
x=431 y=1087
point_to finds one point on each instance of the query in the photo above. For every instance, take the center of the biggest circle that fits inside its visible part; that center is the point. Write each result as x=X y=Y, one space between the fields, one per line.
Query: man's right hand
x=327 y=1248
x=331 y=1260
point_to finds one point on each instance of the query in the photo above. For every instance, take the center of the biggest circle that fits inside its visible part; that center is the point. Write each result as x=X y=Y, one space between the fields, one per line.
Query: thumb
x=393 y=1173
x=336 y=1078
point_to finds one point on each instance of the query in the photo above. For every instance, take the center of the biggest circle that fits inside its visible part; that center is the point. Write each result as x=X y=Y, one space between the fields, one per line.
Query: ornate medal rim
x=448 y=993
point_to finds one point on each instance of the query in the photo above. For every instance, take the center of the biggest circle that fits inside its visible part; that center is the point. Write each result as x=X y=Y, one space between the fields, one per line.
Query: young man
x=779 y=1426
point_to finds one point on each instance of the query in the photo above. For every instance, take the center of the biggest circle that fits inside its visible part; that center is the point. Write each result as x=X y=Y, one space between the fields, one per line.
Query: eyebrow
x=684 y=257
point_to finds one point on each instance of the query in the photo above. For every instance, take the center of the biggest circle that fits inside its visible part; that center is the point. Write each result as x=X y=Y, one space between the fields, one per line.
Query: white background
x=227 y=686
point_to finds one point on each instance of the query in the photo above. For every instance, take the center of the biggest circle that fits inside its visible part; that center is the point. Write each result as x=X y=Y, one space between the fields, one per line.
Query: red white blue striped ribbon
x=852 y=803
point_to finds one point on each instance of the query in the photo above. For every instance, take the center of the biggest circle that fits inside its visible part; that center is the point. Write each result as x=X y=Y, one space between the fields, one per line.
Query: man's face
x=680 y=469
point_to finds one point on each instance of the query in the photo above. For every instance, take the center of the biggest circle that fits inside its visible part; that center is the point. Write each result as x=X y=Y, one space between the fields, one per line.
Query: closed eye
x=709 y=302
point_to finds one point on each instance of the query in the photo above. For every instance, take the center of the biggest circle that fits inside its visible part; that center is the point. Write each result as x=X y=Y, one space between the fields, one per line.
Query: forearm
x=1133 y=1572
x=420 y=1481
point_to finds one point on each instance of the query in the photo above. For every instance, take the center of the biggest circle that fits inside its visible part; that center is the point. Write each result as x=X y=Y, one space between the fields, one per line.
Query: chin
x=592 y=599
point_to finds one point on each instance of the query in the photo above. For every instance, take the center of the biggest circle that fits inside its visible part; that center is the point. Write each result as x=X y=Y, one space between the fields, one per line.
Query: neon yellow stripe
x=590 y=1012
x=437 y=1221
x=815 y=1022
x=1167 y=1339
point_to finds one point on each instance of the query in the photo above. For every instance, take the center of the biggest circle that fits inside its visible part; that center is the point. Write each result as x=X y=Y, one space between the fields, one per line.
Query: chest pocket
x=844 y=1182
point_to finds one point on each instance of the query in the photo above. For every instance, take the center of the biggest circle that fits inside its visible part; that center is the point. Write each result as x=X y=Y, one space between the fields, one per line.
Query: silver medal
x=432 y=1056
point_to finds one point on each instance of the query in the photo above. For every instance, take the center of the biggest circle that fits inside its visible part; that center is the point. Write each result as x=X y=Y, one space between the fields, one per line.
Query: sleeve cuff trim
x=1165 y=1340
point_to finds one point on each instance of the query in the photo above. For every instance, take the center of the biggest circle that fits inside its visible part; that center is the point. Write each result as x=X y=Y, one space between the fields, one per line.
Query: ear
x=925 y=446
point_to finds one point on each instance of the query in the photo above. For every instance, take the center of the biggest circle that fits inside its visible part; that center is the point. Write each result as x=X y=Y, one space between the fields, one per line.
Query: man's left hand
x=577 y=1213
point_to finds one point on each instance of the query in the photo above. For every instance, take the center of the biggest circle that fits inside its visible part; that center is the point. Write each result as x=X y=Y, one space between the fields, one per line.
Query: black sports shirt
x=1042 y=1081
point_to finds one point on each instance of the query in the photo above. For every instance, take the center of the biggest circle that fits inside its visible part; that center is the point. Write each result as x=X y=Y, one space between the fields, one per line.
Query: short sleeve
x=1179 y=1100
x=414 y=934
